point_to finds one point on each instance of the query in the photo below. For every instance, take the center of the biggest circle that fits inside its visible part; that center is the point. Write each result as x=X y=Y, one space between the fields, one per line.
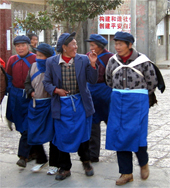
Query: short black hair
x=30 y=35
x=68 y=40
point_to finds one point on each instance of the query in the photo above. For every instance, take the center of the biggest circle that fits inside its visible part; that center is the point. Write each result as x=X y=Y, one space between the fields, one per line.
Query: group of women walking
x=67 y=96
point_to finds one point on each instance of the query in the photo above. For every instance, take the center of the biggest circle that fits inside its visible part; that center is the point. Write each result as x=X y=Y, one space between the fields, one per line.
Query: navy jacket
x=84 y=73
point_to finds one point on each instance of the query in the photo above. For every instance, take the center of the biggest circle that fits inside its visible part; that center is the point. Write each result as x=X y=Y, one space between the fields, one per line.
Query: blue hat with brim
x=62 y=39
x=21 y=39
x=46 y=49
x=97 y=38
x=124 y=36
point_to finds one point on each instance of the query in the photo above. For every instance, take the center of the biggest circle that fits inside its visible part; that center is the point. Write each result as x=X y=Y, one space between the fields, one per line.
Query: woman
x=132 y=77
x=100 y=93
x=40 y=122
x=66 y=80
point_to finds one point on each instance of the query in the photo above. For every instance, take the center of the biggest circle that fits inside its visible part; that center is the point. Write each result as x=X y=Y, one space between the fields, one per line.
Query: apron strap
x=139 y=60
x=73 y=96
x=100 y=55
x=35 y=75
x=24 y=59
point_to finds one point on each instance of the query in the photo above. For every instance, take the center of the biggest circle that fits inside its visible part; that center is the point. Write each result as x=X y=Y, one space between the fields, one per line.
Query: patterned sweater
x=128 y=78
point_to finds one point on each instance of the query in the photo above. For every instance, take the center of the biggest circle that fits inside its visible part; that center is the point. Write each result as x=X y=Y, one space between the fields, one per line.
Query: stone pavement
x=106 y=171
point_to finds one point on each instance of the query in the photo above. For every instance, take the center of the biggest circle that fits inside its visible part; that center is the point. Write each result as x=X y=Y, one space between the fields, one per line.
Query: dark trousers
x=41 y=156
x=53 y=155
x=125 y=160
x=24 y=148
x=94 y=142
x=64 y=160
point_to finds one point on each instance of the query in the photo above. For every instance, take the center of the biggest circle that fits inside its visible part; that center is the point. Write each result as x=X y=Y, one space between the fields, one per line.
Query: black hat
x=124 y=36
x=97 y=38
x=21 y=39
x=62 y=39
x=46 y=49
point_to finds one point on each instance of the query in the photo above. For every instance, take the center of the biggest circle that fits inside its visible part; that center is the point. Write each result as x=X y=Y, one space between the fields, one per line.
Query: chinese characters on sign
x=110 y=24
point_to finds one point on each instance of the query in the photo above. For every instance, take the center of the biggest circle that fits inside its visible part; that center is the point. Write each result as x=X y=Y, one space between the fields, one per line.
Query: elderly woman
x=40 y=122
x=100 y=93
x=132 y=77
x=72 y=108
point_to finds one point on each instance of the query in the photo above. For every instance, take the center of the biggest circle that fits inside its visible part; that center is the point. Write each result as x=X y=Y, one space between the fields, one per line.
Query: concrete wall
x=163 y=51
x=161 y=10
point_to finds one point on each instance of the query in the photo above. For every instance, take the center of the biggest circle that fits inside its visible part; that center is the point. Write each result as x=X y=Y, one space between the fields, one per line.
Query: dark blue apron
x=73 y=128
x=128 y=120
x=40 y=122
x=17 y=106
x=100 y=93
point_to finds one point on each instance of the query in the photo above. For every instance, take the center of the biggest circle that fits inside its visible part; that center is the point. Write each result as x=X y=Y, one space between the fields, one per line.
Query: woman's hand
x=93 y=58
x=61 y=92
x=32 y=94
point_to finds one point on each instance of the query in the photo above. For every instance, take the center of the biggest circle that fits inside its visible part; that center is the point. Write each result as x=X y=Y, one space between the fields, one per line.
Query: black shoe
x=62 y=174
x=88 y=168
x=94 y=159
x=22 y=162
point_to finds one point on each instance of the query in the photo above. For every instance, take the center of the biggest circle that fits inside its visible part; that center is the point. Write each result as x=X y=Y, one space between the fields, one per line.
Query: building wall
x=5 y=20
x=148 y=15
x=162 y=41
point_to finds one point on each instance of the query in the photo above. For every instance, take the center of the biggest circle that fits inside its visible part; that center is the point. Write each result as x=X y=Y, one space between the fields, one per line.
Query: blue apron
x=17 y=108
x=100 y=93
x=73 y=128
x=40 y=122
x=128 y=120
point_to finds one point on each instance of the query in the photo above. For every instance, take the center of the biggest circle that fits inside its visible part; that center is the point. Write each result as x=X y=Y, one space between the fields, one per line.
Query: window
x=160 y=40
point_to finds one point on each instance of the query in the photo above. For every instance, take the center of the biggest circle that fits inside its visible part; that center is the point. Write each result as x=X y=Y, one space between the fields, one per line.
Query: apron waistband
x=72 y=101
x=142 y=91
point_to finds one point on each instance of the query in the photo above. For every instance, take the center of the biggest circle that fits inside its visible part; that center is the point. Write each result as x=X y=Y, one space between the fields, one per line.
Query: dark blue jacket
x=84 y=73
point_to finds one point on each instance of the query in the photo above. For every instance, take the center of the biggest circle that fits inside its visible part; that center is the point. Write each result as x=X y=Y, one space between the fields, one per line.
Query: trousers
x=24 y=148
x=94 y=142
x=125 y=160
x=64 y=160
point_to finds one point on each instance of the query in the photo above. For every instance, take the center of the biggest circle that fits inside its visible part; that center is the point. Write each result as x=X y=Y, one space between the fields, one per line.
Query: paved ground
x=106 y=171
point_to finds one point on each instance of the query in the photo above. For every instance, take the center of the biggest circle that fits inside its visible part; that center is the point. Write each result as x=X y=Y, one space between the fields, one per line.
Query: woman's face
x=93 y=46
x=34 y=41
x=22 y=49
x=40 y=55
x=71 y=49
x=122 y=48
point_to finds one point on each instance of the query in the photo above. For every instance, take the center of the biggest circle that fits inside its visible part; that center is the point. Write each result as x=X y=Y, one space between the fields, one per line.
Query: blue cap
x=124 y=36
x=46 y=49
x=62 y=40
x=97 y=38
x=21 y=39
